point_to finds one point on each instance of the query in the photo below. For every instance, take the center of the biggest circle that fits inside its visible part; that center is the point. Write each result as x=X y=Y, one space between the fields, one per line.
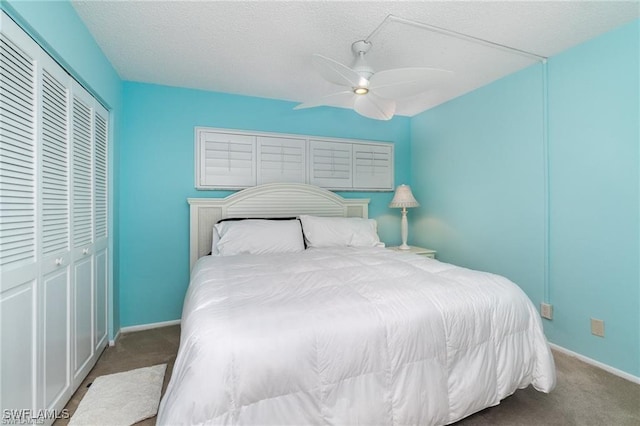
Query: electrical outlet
x=597 y=327
x=546 y=310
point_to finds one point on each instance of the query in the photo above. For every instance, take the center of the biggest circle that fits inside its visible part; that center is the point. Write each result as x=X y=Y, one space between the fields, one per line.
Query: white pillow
x=214 y=242
x=258 y=236
x=340 y=232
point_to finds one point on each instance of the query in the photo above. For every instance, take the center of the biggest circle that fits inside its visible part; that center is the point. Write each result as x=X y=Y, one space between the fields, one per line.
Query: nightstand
x=416 y=250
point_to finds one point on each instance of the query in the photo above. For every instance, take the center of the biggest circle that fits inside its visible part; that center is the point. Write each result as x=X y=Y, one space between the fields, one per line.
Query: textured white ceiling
x=264 y=48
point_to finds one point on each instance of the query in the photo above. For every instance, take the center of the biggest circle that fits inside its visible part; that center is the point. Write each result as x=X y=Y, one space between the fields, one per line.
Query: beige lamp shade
x=403 y=198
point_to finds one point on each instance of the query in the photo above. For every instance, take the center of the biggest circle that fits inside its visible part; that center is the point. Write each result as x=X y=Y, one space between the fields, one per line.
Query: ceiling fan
x=371 y=94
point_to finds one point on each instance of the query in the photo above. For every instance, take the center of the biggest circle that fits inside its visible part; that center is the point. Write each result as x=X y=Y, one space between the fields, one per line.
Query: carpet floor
x=584 y=396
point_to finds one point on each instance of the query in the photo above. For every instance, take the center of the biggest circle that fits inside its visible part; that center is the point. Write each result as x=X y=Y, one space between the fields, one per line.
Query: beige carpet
x=121 y=399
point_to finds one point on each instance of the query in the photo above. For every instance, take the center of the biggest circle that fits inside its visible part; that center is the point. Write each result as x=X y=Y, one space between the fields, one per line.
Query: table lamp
x=403 y=198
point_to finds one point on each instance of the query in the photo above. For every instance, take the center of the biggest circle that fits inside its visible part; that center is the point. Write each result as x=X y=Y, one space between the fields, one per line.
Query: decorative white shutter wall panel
x=17 y=155
x=53 y=227
x=281 y=160
x=236 y=159
x=372 y=166
x=330 y=164
x=227 y=160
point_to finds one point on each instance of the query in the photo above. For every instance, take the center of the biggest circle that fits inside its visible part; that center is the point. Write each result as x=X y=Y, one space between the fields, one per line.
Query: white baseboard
x=141 y=327
x=605 y=367
x=115 y=339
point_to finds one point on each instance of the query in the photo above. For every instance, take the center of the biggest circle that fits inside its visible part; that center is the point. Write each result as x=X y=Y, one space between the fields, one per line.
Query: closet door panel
x=83 y=315
x=55 y=288
x=18 y=218
x=82 y=169
x=101 y=266
x=17 y=164
x=55 y=313
x=55 y=162
x=82 y=222
x=100 y=174
x=100 y=231
x=18 y=346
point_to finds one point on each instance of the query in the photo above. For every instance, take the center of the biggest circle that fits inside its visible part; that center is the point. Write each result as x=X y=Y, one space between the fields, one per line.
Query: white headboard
x=270 y=200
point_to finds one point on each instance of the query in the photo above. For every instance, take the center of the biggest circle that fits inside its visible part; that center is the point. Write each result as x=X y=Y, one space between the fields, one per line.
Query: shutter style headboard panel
x=270 y=200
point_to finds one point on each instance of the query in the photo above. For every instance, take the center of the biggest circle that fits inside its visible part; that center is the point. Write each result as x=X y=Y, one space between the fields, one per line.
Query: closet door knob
x=59 y=261
x=85 y=251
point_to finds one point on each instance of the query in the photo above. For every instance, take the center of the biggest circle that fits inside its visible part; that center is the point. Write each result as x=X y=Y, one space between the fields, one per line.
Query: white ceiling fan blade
x=339 y=99
x=404 y=82
x=372 y=106
x=335 y=72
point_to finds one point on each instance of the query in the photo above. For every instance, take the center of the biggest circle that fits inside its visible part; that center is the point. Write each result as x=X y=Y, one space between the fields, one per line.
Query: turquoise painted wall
x=594 y=197
x=478 y=173
x=479 y=170
x=157 y=176
x=56 y=26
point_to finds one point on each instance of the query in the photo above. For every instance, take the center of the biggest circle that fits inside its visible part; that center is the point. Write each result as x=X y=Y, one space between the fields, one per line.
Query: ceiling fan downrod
x=360 y=65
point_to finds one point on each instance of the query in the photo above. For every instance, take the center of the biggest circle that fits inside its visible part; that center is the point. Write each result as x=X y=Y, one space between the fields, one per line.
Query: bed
x=341 y=334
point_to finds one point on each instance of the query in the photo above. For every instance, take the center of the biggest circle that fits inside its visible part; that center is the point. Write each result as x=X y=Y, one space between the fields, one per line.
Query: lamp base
x=404 y=247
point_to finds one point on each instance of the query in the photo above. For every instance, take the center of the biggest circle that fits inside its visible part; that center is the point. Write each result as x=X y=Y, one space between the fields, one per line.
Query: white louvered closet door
x=82 y=229
x=100 y=234
x=53 y=227
x=54 y=287
x=18 y=267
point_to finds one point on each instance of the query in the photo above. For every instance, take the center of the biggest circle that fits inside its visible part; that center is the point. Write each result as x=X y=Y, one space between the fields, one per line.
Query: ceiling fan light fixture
x=371 y=94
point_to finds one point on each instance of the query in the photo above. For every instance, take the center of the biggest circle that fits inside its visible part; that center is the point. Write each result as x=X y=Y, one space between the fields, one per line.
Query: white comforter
x=350 y=336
